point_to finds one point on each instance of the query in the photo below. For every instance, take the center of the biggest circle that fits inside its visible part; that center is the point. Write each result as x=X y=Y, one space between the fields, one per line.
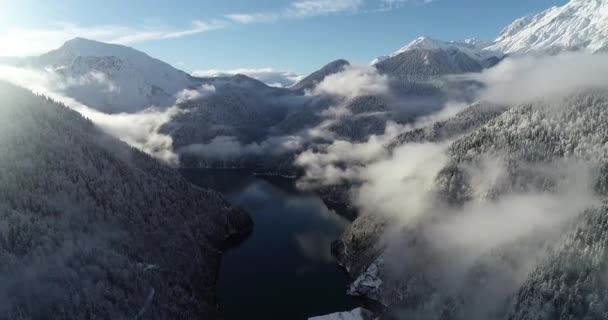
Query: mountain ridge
x=85 y=215
x=580 y=25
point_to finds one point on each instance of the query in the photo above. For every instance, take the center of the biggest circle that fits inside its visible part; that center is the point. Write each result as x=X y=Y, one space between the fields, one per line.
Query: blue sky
x=292 y=35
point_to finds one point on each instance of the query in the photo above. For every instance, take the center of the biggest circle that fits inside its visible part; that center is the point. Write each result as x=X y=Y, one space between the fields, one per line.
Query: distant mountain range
x=113 y=79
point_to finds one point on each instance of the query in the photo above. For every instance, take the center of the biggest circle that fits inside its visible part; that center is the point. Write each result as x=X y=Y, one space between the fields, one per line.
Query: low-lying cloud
x=495 y=218
x=521 y=79
x=226 y=148
x=352 y=82
x=140 y=129
x=270 y=76
x=344 y=162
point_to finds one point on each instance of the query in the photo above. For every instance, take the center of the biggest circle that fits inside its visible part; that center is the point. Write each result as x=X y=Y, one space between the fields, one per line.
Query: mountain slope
x=94 y=229
x=312 y=80
x=578 y=25
x=112 y=78
x=474 y=48
x=418 y=65
x=544 y=274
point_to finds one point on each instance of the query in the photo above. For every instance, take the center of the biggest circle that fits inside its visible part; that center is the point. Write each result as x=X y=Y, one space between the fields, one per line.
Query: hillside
x=92 y=228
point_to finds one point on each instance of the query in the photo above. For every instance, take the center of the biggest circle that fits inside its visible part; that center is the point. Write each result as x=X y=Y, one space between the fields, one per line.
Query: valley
x=288 y=250
x=458 y=179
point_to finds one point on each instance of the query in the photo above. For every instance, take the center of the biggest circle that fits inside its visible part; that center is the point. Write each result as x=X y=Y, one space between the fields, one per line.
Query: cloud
x=400 y=185
x=354 y=81
x=225 y=148
x=143 y=35
x=299 y=9
x=396 y=3
x=428 y=238
x=140 y=130
x=346 y=162
x=307 y=8
x=521 y=79
x=481 y=251
x=388 y=5
x=270 y=76
x=23 y=41
x=193 y=94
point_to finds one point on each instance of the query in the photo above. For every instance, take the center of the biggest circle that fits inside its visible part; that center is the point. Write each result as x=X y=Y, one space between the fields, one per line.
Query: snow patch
x=578 y=25
x=357 y=314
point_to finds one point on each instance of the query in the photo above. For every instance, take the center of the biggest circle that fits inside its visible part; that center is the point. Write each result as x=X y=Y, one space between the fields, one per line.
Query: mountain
x=112 y=78
x=463 y=122
x=580 y=25
x=312 y=80
x=238 y=106
x=536 y=149
x=427 y=64
x=474 y=48
x=426 y=59
x=546 y=274
x=92 y=228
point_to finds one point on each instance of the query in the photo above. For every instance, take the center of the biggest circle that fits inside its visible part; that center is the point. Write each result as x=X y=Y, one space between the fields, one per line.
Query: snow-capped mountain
x=473 y=47
x=112 y=77
x=310 y=81
x=426 y=58
x=463 y=56
x=578 y=25
x=421 y=65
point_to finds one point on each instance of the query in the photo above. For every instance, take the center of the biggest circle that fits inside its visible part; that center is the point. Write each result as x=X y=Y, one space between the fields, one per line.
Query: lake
x=284 y=270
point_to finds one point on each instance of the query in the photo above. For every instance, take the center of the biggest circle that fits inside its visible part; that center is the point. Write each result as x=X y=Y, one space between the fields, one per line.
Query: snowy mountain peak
x=423 y=43
x=578 y=25
x=112 y=77
x=472 y=47
x=92 y=48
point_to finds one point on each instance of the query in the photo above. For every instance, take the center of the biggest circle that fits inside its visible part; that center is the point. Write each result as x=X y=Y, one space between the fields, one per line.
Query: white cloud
x=400 y=185
x=520 y=79
x=256 y=17
x=20 y=41
x=307 y=8
x=428 y=238
x=229 y=148
x=269 y=76
x=140 y=130
x=392 y=4
x=141 y=35
x=300 y=9
x=23 y=41
x=352 y=82
x=344 y=161
x=192 y=94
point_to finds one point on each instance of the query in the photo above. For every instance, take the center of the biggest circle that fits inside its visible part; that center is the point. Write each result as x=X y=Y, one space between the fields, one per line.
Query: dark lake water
x=284 y=270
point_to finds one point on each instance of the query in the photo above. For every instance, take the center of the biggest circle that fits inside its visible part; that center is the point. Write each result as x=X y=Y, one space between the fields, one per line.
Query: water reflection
x=285 y=269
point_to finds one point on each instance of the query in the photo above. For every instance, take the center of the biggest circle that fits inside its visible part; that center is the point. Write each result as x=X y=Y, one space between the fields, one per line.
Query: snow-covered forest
x=91 y=228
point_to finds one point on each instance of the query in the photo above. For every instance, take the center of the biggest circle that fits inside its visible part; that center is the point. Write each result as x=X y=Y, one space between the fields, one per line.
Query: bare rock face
x=91 y=228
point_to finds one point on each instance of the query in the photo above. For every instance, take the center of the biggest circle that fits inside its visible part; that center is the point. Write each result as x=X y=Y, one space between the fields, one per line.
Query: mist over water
x=284 y=270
